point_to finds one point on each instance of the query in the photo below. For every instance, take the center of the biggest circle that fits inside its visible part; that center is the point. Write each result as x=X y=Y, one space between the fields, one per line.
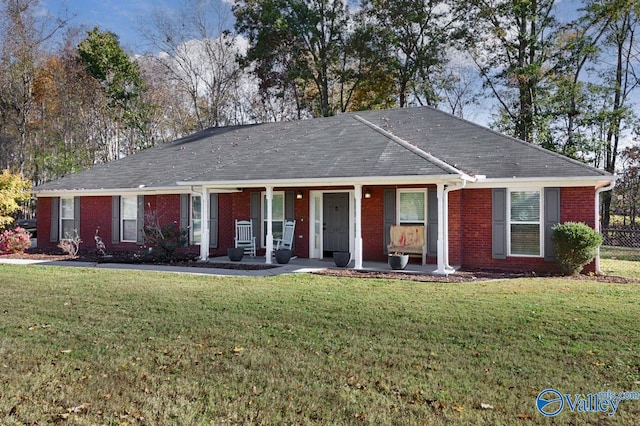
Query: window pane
x=196 y=231
x=129 y=207
x=525 y=239
x=129 y=230
x=525 y=206
x=196 y=213
x=278 y=206
x=66 y=208
x=412 y=206
x=67 y=231
x=196 y=220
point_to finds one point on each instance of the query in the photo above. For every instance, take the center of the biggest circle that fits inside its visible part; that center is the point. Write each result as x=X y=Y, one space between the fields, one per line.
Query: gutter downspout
x=598 y=230
x=456 y=187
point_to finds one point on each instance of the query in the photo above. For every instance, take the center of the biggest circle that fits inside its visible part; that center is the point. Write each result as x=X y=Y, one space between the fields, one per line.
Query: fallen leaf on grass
x=525 y=417
x=238 y=350
x=459 y=409
x=598 y=363
x=486 y=406
x=65 y=351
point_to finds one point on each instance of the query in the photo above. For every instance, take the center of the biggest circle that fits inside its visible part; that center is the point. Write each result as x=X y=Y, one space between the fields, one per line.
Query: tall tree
x=121 y=80
x=296 y=44
x=510 y=42
x=411 y=39
x=198 y=56
x=23 y=34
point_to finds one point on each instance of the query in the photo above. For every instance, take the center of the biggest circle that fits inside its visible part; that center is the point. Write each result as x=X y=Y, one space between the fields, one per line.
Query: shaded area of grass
x=112 y=347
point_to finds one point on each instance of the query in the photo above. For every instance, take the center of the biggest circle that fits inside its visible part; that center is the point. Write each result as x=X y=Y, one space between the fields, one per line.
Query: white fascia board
x=575 y=181
x=347 y=181
x=117 y=191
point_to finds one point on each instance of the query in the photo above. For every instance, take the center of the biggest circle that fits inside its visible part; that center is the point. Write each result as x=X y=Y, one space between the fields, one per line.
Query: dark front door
x=336 y=222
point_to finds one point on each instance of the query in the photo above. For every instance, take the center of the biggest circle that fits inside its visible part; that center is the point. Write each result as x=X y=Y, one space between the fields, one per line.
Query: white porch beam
x=204 y=227
x=358 y=231
x=269 y=242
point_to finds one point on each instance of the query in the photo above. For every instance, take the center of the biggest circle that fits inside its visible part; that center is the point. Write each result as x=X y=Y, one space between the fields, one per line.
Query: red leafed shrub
x=14 y=241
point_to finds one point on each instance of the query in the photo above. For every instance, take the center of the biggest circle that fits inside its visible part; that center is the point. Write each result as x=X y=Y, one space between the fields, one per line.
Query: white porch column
x=204 y=227
x=441 y=230
x=269 y=242
x=358 y=231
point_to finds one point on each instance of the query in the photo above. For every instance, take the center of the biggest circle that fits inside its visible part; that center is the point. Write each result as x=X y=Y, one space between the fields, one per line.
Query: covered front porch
x=299 y=265
x=363 y=210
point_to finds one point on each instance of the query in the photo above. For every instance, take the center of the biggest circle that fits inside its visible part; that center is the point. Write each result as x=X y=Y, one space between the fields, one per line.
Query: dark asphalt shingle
x=335 y=147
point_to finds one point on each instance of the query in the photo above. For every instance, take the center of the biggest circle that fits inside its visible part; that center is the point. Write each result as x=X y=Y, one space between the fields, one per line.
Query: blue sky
x=121 y=17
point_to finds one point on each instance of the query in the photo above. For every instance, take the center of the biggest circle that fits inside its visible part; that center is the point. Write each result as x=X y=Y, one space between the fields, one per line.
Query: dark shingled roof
x=368 y=144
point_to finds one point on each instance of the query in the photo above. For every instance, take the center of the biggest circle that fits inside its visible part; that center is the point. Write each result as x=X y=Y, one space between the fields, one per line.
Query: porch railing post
x=204 y=228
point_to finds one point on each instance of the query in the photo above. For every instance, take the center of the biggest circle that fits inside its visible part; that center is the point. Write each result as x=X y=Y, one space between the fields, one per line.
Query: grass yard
x=86 y=347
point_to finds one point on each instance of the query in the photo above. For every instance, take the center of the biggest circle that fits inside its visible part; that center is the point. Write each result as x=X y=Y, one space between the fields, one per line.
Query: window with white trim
x=525 y=226
x=67 y=212
x=129 y=218
x=412 y=207
x=196 y=220
x=277 y=219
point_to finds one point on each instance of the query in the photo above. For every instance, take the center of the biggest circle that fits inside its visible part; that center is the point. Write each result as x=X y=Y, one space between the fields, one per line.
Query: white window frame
x=195 y=230
x=399 y=220
x=263 y=219
x=133 y=217
x=539 y=222
x=63 y=219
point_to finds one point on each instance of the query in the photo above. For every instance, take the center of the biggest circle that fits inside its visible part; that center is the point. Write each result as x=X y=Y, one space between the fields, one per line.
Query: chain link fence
x=620 y=252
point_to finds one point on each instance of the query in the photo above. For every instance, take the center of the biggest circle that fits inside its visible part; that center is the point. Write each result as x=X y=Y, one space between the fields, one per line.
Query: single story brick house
x=486 y=200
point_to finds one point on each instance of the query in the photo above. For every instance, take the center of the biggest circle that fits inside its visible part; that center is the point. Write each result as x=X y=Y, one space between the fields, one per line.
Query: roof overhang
x=576 y=181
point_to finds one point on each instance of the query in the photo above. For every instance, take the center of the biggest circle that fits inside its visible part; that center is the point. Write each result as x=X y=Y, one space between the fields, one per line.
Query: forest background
x=559 y=74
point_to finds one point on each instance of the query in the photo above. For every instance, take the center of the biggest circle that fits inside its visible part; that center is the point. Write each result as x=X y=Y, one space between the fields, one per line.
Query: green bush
x=576 y=245
x=165 y=239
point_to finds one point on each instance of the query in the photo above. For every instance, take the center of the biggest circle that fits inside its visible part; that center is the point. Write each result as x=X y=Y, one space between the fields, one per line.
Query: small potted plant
x=398 y=260
x=235 y=253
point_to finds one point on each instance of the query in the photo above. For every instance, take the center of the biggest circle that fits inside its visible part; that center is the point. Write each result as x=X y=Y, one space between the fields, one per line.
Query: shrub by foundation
x=576 y=245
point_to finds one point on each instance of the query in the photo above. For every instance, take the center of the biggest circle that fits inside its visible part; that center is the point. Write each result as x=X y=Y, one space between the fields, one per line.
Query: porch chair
x=286 y=242
x=244 y=237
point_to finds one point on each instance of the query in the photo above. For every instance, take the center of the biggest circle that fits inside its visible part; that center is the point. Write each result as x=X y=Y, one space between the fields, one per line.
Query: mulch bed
x=189 y=261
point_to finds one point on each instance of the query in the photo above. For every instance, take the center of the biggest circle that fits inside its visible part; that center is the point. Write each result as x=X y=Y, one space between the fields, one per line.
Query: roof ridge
x=409 y=146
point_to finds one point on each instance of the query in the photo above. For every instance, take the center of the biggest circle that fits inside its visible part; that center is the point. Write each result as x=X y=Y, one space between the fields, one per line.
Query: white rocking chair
x=244 y=237
x=286 y=242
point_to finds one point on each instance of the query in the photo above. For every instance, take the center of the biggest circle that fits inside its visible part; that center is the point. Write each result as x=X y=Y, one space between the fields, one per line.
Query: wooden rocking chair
x=286 y=242
x=244 y=237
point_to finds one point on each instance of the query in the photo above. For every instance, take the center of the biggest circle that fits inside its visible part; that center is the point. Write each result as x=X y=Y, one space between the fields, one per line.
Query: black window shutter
x=551 y=218
x=213 y=220
x=54 y=235
x=140 y=222
x=289 y=205
x=499 y=228
x=184 y=212
x=389 y=215
x=115 y=219
x=255 y=215
x=289 y=211
x=432 y=222
x=76 y=214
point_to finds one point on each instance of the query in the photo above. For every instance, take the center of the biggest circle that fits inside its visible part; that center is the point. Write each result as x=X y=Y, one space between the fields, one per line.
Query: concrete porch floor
x=310 y=265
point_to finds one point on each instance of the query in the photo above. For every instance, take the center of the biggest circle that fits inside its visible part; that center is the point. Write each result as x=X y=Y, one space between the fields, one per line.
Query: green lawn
x=89 y=347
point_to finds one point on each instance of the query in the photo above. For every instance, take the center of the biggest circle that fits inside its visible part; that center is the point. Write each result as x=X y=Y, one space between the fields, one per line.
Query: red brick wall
x=577 y=204
x=469 y=224
x=43 y=224
x=373 y=226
